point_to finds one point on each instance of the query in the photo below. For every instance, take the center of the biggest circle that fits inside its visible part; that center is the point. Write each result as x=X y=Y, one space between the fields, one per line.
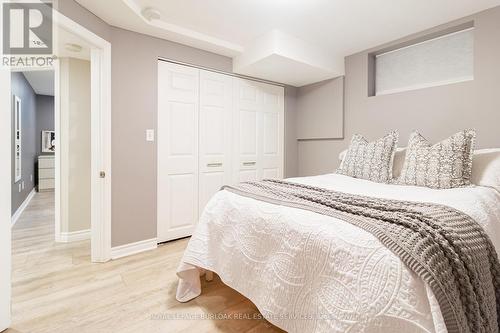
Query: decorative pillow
x=399 y=159
x=370 y=160
x=447 y=164
x=486 y=168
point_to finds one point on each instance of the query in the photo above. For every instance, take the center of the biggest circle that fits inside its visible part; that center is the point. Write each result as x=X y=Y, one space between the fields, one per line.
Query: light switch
x=23 y=184
x=150 y=135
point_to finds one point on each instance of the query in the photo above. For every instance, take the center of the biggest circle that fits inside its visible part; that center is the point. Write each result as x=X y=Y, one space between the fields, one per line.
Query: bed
x=307 y=272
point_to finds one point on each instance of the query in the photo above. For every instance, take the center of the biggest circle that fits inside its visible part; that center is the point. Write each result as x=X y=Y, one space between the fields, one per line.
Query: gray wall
x=291 y=152
x=44 y=122
x=437 y=112
x=321 y=110
x=21 y=88
x=44 y=119
x=320 y=121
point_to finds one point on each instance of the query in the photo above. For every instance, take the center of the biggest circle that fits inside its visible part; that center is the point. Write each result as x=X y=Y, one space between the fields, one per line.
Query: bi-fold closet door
x=258 y=125
x=177 y=140
x=216 y=111
x=213 y=129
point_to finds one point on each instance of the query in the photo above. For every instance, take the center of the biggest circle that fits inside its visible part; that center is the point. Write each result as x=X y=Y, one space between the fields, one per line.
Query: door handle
x=249 y=163
x=214 y=165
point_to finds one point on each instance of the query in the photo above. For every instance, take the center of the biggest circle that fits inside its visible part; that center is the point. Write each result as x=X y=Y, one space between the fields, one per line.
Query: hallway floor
x=57 y=289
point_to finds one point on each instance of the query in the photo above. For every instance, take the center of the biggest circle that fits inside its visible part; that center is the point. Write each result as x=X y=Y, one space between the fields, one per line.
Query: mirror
x=17 y=139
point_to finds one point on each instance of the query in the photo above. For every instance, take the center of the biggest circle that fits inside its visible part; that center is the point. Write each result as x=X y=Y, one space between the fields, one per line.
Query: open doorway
x=33 y=167
x=99 y=158
x=31 y=120
x=51 y=154
x=51 y=128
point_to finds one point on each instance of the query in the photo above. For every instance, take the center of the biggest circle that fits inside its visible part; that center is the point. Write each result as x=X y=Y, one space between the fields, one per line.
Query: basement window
x=438 y=61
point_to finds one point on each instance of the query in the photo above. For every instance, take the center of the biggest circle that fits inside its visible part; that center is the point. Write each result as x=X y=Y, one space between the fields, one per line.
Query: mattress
x=308 y=272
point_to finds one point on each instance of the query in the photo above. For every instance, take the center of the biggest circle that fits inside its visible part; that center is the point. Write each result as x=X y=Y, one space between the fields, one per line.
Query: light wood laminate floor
x=56 y=289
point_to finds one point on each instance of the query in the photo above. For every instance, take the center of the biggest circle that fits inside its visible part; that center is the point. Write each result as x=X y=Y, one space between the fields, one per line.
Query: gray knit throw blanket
x=443 y=246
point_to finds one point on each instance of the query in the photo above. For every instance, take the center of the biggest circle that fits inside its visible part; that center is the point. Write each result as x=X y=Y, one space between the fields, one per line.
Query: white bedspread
x=312 y=273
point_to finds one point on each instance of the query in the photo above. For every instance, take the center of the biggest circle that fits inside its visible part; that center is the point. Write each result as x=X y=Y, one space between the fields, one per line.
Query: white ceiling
x=42 y=81
x=333 y=28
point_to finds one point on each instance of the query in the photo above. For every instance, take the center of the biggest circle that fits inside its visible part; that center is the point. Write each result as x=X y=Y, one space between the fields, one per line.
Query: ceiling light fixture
x=150 y=13
x=73 y=47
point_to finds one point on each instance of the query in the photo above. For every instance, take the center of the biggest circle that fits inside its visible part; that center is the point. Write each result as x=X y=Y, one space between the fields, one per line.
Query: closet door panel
x=177 y=143
x=181 y=136
x=182 y=192
x=210 y=183
x=272 y=131
x=247 y=175
x=271 y=173
x=247 y=130
x=216 y=104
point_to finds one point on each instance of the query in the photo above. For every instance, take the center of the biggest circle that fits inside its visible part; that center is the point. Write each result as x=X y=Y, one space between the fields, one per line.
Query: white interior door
x=258 y=130
x=272 y=129
x=215 y=134
x=178 y=112
x=5 y=208
x=247 y=117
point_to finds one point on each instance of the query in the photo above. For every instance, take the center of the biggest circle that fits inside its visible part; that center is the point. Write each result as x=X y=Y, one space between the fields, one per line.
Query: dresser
x=46 y=173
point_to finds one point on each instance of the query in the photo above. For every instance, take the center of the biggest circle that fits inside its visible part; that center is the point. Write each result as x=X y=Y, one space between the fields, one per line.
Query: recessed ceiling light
x=150 y=13
x=73 y=47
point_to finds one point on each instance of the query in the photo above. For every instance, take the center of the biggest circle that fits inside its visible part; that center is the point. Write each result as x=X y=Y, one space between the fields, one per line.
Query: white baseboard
x=21 y=208
x=74 y=236
x=133 y=248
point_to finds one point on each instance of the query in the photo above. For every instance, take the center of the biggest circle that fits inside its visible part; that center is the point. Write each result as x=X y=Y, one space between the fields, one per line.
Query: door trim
x=6 y=195
x=100 y=68
x=121 y=251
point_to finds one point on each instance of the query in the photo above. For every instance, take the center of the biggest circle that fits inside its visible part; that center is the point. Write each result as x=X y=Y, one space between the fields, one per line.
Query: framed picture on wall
x=48 y=142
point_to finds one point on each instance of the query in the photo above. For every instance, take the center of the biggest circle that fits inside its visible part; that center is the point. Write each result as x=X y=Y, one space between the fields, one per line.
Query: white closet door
x=247 y=100
x=178 y=112
x=215 y=134
x=272 y=129
x=259 y=130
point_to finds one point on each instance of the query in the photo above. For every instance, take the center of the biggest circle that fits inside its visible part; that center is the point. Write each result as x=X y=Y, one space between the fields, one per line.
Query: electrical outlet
x=19 y=188
x=31 y=178
x=22 y=184
x=150 y=135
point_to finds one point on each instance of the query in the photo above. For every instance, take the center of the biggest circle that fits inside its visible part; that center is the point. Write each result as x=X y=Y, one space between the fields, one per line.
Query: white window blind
x=442 y=60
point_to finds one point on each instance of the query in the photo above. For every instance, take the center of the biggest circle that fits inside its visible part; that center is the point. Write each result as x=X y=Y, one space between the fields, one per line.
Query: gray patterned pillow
x=370 y=160
x=447 y=164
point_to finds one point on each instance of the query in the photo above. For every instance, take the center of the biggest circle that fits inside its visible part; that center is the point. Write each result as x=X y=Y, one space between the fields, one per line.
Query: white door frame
x=5 y=195
x=100 y=77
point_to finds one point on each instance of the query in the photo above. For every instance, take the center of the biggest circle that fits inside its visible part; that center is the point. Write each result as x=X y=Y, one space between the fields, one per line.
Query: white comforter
x=308 y=272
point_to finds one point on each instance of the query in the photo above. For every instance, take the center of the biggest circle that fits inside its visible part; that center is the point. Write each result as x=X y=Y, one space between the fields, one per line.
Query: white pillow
x=486 y=168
